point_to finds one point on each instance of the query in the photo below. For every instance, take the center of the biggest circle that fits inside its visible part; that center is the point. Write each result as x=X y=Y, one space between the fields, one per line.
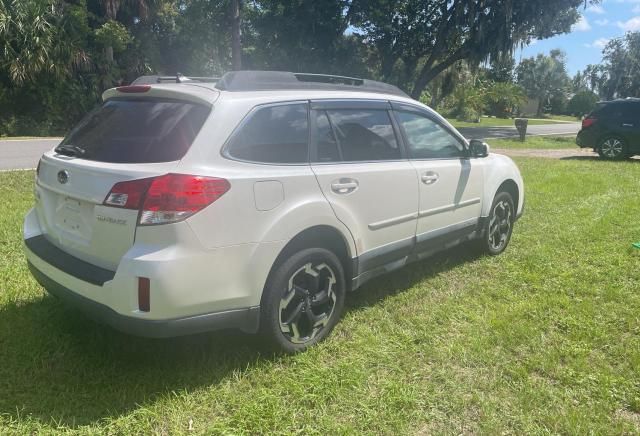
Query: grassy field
x=18 y=138
x=500 y=122
x=538 y=142
x=543 y=339
x=569 y=118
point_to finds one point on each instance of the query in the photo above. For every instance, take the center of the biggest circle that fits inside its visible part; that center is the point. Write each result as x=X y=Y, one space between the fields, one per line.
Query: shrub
x=582 y=103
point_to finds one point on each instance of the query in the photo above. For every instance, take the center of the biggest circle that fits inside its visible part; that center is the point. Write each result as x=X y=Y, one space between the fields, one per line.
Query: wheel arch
x=511 y=187
x=502 y=174
x=318 y=236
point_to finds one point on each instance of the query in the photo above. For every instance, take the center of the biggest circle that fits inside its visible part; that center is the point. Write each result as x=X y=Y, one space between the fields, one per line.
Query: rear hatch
x=124 y=139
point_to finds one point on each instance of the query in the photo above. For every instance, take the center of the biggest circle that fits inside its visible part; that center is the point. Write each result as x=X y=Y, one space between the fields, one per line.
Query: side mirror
x=478 y=148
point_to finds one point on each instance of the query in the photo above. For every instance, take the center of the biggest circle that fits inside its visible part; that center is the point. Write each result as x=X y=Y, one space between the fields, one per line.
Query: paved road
x=24 y=153
x=506 y=132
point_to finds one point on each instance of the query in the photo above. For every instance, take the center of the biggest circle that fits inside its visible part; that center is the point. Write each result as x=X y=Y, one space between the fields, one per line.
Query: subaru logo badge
x=63 y=176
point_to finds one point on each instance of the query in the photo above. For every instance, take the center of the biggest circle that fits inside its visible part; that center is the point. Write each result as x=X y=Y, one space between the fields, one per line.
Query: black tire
x=613 y=148
x=315 y=302
x=499 y=226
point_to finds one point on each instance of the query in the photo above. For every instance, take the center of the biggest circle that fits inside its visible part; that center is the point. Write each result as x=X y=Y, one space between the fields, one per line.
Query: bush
x=468 y=114
x=503 y=98
x=582 y=103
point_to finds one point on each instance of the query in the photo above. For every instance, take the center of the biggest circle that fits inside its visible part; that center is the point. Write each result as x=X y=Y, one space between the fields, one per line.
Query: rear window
x=138 y=131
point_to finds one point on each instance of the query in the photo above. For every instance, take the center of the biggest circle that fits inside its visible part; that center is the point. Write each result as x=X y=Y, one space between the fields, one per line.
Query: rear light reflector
x=128 y=195
x=131 y=89
x=587 y=122
x=166 y=199
x=144 y=294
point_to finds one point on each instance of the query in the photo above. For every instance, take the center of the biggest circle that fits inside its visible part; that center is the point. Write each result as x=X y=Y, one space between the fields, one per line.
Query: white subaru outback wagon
x=255 y=202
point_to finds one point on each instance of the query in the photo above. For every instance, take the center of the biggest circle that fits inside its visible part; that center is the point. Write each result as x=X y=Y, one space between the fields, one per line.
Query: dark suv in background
x=612 y=129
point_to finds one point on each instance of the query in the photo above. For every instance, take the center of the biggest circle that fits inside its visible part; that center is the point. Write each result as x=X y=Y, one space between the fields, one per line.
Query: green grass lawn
x=543 y=339
x=538 y=142
x=500 y=122
x=13 y=138
x=569 y=118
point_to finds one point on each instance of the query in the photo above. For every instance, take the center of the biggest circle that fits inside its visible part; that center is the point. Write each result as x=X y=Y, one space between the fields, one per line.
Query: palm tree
x=33 y=40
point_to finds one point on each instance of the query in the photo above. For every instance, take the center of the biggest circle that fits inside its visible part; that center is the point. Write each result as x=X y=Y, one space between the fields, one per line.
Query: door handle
x=344 y=186
x=627 y=125
x=429 y=178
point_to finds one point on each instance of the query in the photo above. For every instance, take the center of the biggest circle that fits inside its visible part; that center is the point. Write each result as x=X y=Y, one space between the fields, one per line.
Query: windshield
x=136 y=131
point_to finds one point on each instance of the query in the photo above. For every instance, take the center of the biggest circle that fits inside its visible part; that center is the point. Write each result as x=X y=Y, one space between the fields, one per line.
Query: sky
x=598 y=24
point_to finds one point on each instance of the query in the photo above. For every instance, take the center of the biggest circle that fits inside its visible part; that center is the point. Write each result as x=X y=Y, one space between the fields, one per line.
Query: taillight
x=167 y=199
x=588 y=122
x=128 y=195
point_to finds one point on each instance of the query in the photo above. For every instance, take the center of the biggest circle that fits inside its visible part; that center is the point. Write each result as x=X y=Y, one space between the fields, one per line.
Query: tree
x=617 y=76
x=501 y=68
x=582 y=103
x=305 y=36
x=36 y=37
x=544 y=77
x=428 y=37
x=621 y=65
x=112 y=32
x=502 y=98
x=236 y=45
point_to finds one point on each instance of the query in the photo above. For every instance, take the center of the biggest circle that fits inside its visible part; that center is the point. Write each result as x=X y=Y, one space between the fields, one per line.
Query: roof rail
x=178 y=78
x=283 y=80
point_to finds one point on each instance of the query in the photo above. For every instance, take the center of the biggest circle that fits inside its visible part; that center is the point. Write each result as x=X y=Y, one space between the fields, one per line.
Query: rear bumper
x=192 y=288
x=246 y=320
x=585 y=139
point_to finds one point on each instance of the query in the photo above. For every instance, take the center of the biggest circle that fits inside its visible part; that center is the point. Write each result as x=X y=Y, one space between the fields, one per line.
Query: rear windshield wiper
x=69 y=150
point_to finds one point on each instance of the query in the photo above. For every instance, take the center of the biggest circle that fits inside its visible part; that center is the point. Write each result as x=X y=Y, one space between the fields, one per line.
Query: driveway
x=507 y=132
x=17 y=154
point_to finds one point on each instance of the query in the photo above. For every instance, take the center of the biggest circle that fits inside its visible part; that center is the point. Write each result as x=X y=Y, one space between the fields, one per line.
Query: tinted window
x=273 y=134
x=138 y=131
x=631 y=111
x=427 y=139
x=326 y=144
x=364 y=135
x=617 y=110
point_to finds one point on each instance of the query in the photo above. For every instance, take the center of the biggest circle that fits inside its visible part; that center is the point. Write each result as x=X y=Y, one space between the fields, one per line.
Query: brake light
x=133 y=88
x=166 y=199
x=587 y=122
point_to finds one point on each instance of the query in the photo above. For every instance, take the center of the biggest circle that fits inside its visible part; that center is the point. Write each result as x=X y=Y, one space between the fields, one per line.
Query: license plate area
x=74 y=216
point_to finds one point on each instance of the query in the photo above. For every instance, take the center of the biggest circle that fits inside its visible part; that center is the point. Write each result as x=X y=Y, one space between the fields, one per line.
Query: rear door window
x=138 y=131
x=362 y=135
x=273 y=134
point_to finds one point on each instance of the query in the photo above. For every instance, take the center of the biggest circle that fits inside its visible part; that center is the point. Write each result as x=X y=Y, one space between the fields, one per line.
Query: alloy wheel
x=612 y=148
x=500 y=225
x=309 y=302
